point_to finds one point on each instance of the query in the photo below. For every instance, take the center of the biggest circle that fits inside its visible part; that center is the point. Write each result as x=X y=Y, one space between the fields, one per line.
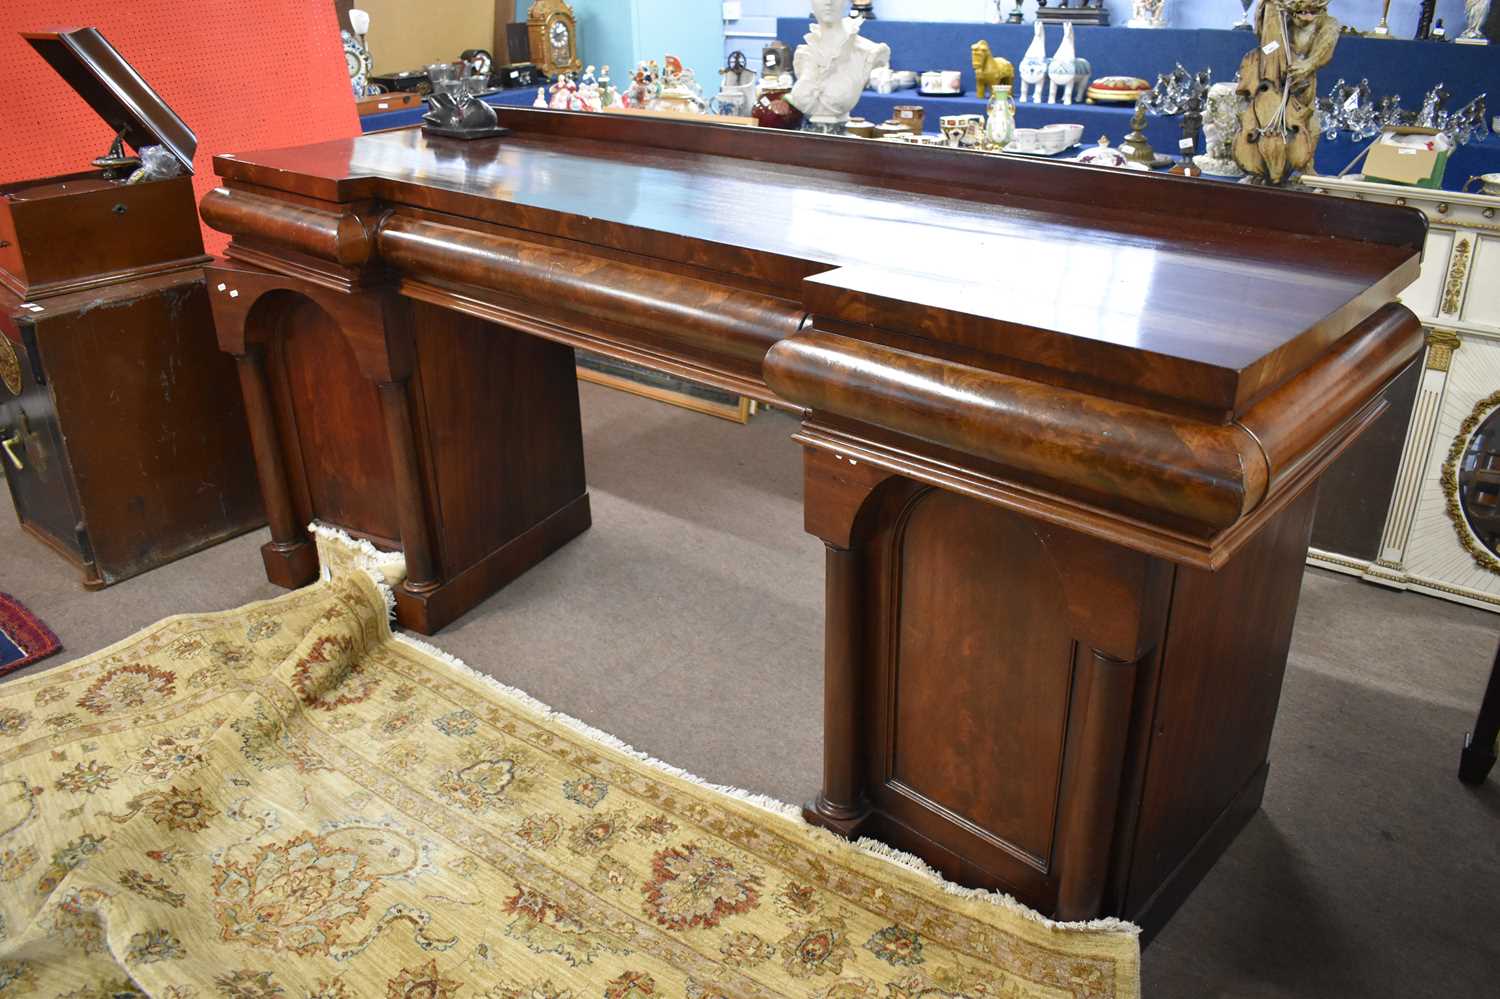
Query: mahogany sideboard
x=1062 y=430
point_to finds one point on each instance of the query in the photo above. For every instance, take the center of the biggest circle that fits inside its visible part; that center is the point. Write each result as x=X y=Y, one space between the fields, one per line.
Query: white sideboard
x=1427 y=543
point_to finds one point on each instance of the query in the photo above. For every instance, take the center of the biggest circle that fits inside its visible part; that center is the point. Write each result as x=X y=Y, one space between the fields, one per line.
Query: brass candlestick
x=1383 y=29
x=1136 y=147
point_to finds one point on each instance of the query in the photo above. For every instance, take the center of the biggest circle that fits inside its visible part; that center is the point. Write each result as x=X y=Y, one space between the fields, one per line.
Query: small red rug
x=23 y=637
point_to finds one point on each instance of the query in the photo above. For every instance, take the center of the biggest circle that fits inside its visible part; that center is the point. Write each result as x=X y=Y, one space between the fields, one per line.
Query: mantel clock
x=554 y=37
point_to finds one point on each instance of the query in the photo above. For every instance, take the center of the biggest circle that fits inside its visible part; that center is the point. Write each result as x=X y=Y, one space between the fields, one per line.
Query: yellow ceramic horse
x=990 y=72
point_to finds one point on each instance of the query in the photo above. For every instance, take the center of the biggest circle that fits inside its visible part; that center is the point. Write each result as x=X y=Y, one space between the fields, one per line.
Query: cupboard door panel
x=336 y=427
x=983 y=666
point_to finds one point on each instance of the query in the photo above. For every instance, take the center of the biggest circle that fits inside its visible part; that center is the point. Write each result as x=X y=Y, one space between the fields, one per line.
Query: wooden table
x=1062 y=430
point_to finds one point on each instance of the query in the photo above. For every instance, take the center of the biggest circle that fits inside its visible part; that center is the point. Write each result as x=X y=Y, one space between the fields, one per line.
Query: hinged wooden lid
x=113 y=88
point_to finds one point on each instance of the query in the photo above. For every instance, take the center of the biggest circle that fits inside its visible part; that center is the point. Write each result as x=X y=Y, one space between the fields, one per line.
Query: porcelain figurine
x=1475 y=13
x=834 y=64
x=1067 y=71
x=1034 y=65
x=1147 y=14
x=541 y=98
x=990 y=72
x=589 y=97
x=563 y=93
x=678 y=89
x=645 y=86
x=608 y=95
x=1220 y=123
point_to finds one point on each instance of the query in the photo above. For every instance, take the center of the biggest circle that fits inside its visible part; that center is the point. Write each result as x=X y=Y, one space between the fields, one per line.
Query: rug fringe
x=781 y=809
x=386 y=569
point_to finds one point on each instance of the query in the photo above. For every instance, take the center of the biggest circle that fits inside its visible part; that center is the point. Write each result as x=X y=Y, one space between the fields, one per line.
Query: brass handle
x=10 y=442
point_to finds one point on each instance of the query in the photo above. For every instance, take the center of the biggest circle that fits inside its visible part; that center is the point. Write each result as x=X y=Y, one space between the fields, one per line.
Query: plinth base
x=430 y=610
x=290 y=566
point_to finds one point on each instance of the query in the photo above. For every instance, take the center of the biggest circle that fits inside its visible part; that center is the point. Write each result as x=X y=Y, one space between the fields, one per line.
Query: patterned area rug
x=23 y=637
x=285 y=802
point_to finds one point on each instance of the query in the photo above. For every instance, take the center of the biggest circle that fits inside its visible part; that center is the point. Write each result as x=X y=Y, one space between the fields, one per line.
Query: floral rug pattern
x=284 y=802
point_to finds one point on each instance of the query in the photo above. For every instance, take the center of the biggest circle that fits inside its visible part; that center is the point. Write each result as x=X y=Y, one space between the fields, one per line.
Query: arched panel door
x=330 y=422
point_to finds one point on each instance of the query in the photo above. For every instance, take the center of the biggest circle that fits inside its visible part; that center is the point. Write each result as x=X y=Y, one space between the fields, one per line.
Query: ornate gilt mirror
x=1471 y=483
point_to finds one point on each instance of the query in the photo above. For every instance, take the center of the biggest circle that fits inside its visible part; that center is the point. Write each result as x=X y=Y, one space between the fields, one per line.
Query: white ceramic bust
x=834 y=64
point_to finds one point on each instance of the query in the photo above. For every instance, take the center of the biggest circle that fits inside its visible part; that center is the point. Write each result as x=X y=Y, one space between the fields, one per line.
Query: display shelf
x=1398 y=65
x=1403 y=66
x=1097 y=119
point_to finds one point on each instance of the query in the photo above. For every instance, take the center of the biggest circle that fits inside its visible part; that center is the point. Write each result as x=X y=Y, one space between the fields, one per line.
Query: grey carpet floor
x=688 y=623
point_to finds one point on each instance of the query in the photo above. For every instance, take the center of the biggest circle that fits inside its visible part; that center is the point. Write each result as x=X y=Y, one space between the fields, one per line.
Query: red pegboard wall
x=242 y=75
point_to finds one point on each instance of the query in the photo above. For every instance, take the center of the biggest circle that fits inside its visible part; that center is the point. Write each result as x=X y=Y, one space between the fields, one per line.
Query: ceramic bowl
x=1073 y=132
x=947 y=81
x=1053 y=138
x=1025 y=141
x=1102 y=156
x=953 y=127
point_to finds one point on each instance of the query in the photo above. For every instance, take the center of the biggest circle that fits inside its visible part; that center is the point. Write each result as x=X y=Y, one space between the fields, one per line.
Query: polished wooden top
x=1195 y=291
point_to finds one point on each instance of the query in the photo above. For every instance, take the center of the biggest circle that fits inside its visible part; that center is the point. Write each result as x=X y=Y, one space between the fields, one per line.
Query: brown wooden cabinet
x=130 y=448
x=123 y=433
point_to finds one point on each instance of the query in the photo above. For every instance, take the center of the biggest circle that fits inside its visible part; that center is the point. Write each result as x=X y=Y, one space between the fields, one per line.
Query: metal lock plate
x=10 y=366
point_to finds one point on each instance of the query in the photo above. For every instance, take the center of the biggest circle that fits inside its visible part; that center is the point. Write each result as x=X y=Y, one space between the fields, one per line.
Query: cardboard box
x=1407 y=163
